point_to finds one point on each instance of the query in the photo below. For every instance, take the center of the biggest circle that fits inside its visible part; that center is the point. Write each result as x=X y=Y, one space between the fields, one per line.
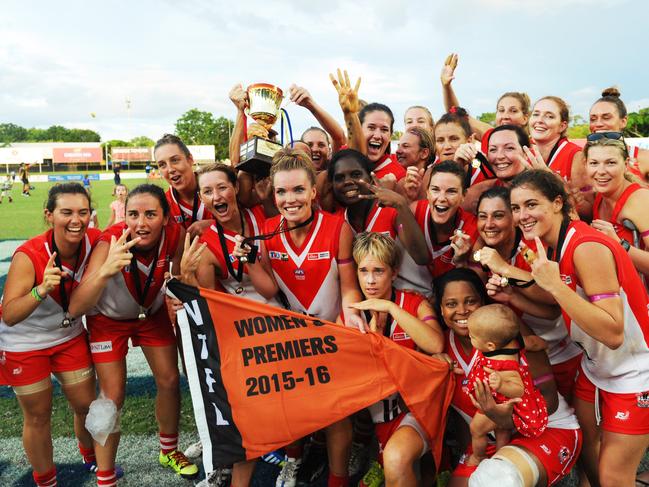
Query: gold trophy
x=256 y=154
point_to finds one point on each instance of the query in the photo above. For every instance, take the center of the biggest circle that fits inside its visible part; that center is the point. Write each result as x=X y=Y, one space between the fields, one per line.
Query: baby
x=495 y=333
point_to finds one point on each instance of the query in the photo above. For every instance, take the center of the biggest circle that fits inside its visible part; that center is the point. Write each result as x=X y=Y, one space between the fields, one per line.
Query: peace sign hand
x=384 y=196
x=534 y=159
x=347 y=97
x=51 y=277
x=448 y=70
x=119 y=255
x=191 y=256
x=544 y=271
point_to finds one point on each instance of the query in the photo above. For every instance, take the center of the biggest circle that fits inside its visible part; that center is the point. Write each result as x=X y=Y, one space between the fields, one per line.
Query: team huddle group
x=509 y=252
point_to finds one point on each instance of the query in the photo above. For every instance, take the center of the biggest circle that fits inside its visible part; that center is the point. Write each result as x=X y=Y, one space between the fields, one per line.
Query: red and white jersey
x=42 y=329
x=255 y=220
x=560 y=346
x=484 y=142
x=379 y=219
x=182 y=212
x=634 y=152
x=441 y=254
x=388 y=408
x=623 y=370
x=389 y=165
x=620 y=230
x=561 y=158
x=308 y=275
x=562 y=418
x=119 y=300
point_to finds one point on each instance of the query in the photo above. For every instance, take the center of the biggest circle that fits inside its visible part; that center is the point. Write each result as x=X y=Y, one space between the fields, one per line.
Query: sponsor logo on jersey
x=400 y=336
x=274 y=255
x=318 y=255
x=567 y=279
x=178 y=218
x=643 y=399
x=622 y=416
x=100 y=347
x=299 y=274
x=546 y=449
x=232 y=257
x=564 y=454
x=17 y=371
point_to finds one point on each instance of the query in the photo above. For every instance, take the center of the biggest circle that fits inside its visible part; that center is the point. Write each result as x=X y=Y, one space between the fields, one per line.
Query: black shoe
x=314 y=464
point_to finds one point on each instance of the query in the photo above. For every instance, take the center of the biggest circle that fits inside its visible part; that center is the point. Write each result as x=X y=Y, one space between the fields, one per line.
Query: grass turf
x=23 y=218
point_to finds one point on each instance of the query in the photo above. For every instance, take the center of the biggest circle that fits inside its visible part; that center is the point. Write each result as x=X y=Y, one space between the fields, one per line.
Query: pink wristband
x=644 y=234
x=429 y=317
x=543 y=379
x=597 y=297
x=345 y=261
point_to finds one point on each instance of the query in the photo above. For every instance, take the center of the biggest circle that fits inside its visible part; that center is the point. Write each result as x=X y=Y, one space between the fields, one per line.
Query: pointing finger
x=50 y=262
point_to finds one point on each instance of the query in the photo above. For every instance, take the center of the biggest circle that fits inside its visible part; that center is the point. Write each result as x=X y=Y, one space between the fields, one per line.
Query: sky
x=62 y=61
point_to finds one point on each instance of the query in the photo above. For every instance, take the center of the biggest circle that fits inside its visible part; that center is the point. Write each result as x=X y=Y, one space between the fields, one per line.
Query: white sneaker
x=194 y=450
x=288 y=475
x=221 y=477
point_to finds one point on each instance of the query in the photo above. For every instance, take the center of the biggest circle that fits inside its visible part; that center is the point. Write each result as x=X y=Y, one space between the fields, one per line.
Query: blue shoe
x=92 y=468
x=274 y=458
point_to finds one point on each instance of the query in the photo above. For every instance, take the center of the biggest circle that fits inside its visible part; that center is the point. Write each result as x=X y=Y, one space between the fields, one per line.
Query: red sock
x=168 y=442
x=106 y=478
x=47 y=479
x=337 y=480
x=294 y=451
x=88 y=454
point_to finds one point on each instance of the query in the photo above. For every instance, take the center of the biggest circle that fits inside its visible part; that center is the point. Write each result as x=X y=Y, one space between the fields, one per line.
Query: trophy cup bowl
x=256 y=154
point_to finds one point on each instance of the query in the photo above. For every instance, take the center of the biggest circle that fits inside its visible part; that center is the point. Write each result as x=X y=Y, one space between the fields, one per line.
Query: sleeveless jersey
x=441 y=253
x=42 y=329
x=620 y=229
x=389 y=165
x=622 y=370
x=633 y=167
x=255 y=220
x=119 y=300
x=389 y=408
x=308 y=275
x=379 y=219
x=561 y=158
x=181 y=212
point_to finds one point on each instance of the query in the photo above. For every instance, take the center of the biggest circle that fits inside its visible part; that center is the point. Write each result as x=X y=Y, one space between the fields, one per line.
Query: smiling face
x=375 y=278
x=294 y=195
x=505 y=154
x=448 y=137
x=319 y=146
x=70 y=218
x=417 y=117
x=545 y=121
x=409 y=153
x=510 y=111
x=145 y=219
x=605 y=166
x=345 y=181
x=535 y=215
x=377 y=133
x=605 y=117
x=219 y=196
x=176 y=168
x=460 y=299
x=445 y=195
x=495 y=221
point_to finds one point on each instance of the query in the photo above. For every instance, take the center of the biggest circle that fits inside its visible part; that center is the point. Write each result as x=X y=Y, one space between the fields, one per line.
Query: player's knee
x=396 y=462
x=169 y=381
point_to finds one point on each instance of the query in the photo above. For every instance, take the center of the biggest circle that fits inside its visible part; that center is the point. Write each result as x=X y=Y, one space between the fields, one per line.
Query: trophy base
x=256 y=156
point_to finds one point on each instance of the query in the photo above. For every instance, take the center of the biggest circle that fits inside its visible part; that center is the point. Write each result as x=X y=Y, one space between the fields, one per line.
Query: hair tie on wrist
x=345 y=261
x=644 y=234
x=429 y=317
x=544 y=378
x=598 y=297
x=36 y=295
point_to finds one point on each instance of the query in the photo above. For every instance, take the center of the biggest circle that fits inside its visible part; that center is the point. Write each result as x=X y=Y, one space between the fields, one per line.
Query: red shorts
x=556 y=449
x=25 y=368
x=384 y=431
x=109 y=337
x=627 y=414
x=565 y=374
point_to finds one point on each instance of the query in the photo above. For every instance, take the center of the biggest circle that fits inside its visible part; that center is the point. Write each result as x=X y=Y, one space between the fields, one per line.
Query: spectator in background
x=117 y=167
x=23 y=174
x=118 y=207
x=147 y=170
x=86 y=183
x=7 y=186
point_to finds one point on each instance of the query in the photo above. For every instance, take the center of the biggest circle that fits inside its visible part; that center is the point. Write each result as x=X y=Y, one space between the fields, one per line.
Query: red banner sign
x=73 y=155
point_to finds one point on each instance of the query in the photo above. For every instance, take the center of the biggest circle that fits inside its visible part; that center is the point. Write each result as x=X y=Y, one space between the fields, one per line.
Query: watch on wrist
x=625 y=244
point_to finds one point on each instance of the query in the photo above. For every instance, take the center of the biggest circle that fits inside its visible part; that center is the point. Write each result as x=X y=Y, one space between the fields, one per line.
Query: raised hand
x=239 y=97
x=496 y=290
x=191 y=258
x=374 y=304
x=544 y=271
x=384 y=196
x=347 y=96
x=300 y=96
x=466 y=152
x=448 y=70
x=51 y=277
x=240 y=249
x=119 y=255
x=413 y=182
x=534 y=159
x=461 y=245
x=490 y=258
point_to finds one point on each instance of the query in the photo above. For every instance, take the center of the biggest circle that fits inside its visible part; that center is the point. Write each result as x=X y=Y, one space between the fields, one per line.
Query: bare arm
x=349 y=289
x=304 y=99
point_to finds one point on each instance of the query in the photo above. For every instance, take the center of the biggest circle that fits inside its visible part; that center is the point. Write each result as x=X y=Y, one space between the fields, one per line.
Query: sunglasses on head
x=605 y=135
